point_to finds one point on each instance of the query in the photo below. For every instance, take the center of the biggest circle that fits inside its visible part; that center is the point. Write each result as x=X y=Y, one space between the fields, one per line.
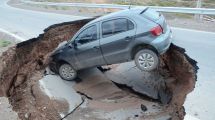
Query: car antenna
x=129 y=4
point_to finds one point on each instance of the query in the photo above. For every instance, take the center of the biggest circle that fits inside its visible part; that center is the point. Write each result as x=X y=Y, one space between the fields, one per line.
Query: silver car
x=139 y=34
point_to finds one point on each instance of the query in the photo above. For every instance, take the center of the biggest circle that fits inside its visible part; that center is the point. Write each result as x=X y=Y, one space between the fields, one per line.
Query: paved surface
x=112 y=103
x=6 y=112
x=147 y=83
x=106 y=101
x=199 y=45
x=58 y=89
x=28 y=24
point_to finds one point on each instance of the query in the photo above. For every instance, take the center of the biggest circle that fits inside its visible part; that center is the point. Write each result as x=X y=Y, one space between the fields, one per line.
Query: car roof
x=121 y=13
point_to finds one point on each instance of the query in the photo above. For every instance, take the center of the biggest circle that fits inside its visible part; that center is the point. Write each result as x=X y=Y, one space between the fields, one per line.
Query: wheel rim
x=146 y=60
x=66 y=71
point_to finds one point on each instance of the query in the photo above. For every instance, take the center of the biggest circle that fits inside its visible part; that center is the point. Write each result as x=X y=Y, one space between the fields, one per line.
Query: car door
x=116 y=36
x=87 y=50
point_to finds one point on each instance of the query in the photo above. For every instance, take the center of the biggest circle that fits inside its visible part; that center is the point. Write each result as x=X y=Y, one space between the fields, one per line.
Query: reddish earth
x=23 y=65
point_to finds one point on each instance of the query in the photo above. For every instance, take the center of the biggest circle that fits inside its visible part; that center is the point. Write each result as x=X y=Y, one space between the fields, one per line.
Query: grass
x=50 y=7
x=172 y=3
x=4 y=43
x=183 y=15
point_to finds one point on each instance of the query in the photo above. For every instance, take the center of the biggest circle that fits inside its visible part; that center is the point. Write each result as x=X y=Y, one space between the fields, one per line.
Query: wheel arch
x=60 y=62
x=138 y=47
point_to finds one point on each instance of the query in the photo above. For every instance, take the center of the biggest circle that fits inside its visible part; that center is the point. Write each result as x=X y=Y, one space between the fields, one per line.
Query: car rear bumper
x=163 y=42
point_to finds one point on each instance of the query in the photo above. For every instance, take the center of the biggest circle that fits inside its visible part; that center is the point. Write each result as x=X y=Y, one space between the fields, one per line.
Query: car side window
x=130 y=25
x=116 y=26
x=87 y=35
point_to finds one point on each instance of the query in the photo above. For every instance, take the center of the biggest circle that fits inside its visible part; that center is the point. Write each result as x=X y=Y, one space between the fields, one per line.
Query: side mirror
x=75 y=44
x=70 y=45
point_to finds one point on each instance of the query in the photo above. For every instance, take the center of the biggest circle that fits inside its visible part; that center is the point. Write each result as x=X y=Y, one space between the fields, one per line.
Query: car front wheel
x=67 y=72
x=146 y=60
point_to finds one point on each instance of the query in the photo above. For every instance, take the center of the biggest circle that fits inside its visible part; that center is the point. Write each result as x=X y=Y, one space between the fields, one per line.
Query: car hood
x=59 y=48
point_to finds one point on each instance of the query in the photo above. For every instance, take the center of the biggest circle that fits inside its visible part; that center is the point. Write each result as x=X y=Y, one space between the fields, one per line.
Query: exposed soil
x=23 y=65
x=181 y=76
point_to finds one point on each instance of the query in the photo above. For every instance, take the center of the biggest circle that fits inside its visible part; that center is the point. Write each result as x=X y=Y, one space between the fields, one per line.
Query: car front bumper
x=53 y=67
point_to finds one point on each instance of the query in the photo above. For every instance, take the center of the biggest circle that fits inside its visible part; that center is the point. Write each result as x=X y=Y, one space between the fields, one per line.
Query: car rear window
x=116 y=26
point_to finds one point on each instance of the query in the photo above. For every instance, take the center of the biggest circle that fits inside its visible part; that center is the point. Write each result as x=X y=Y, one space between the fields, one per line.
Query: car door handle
x=128 y=38
x=96 y=47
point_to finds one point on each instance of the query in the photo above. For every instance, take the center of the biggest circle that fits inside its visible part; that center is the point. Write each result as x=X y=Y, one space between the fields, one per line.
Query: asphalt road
x=199 y=45
x=28 y=24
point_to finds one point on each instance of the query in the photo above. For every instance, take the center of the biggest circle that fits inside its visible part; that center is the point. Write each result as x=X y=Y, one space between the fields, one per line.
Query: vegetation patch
x=4 y=43
x=172 y=3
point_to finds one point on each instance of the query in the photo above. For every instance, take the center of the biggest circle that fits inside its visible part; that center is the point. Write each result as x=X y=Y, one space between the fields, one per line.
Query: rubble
x=23 y=65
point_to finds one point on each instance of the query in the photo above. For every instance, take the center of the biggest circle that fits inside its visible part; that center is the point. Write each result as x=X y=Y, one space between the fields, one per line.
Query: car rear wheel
x=146 y=60
x=67 y=72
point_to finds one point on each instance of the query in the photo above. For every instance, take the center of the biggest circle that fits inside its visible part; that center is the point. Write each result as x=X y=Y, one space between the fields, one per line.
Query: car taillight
x=156 y=31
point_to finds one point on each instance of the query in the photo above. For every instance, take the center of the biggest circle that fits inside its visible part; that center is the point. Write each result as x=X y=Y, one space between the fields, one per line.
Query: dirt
x=181 y=76
x=23 y=65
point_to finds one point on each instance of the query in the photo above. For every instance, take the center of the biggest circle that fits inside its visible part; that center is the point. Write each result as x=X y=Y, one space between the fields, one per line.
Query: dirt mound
x=23 y=65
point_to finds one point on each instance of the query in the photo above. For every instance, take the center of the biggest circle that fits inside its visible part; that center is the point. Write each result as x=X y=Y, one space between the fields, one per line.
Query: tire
x=67 y=72
x=146 y=60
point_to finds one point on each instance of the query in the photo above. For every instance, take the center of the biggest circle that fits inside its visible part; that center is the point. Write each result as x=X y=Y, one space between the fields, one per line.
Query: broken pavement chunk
x=151 y=84
x=108 y=101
